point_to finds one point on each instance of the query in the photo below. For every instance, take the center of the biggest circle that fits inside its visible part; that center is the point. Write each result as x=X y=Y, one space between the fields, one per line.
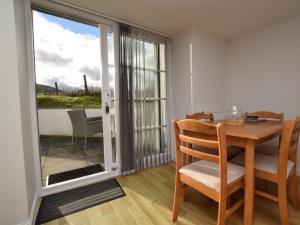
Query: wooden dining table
x=247 y=136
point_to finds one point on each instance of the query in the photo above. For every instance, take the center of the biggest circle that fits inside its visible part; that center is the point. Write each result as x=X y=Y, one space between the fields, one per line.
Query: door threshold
x=78 y=182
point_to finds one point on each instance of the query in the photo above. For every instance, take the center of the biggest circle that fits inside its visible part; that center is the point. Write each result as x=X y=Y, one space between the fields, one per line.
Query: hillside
x=46 y=101
x=45 y=89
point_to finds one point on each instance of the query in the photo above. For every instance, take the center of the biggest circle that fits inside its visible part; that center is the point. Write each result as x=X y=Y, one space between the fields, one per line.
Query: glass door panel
x=75 y=92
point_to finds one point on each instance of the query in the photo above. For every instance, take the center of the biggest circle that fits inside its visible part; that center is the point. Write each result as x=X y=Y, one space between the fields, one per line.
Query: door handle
x=106 y=108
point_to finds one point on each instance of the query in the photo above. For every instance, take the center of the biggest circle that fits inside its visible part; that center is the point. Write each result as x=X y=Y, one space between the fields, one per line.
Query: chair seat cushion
x=207 y=173
x=263 y=162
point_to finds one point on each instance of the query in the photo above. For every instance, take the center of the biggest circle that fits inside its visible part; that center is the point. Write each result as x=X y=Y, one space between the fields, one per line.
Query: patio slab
x=58 y=156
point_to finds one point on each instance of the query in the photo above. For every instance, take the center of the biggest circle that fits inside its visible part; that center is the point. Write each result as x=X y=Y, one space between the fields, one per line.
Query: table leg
x=249 y=182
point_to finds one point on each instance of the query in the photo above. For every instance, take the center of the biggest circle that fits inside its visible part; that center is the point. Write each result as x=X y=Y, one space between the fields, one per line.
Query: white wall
x=198 y=64
x=13 y=193
x=57 y=121
x=18 y=184
x=263 y=70
x=198 y=73
x=208 y=71
x=180 y=80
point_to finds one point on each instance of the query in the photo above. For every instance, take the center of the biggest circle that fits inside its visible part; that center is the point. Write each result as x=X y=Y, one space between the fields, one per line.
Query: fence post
x=85 y=85
x=56 y=88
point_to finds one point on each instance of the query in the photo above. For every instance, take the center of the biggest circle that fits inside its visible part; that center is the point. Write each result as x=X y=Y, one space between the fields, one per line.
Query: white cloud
x=61 y=54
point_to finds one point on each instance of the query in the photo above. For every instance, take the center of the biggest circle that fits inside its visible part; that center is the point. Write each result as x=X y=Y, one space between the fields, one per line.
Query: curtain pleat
x=126 y=107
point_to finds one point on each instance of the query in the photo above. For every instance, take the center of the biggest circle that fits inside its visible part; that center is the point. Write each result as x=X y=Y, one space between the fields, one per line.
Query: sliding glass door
x=75 y=90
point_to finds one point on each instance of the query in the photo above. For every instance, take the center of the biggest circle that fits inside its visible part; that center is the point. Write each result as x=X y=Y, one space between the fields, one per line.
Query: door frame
x=78 y=13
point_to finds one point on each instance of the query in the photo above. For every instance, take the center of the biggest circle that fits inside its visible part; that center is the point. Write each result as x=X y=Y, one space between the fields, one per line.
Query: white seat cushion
x=263 y=162
x=207 y=173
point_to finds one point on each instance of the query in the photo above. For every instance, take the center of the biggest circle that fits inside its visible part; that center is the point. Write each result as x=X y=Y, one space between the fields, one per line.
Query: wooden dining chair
x=266 y=115
x=201 y=116
x=279 y=169
x=209 y=117
x=212 y=175
x=271 y=147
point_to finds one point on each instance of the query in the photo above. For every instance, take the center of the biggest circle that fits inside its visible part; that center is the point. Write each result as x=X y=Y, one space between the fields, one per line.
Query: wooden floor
x=148 y=200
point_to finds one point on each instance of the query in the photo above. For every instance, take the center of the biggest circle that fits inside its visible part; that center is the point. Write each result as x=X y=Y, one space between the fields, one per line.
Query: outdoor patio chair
x=83 y=126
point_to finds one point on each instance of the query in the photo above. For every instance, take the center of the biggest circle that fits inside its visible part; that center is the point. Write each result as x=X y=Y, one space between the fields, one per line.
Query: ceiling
x=226 y=18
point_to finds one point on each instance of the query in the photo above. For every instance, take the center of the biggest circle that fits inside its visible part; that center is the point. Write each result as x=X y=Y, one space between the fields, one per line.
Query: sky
x=77 y=27
x=65 y=50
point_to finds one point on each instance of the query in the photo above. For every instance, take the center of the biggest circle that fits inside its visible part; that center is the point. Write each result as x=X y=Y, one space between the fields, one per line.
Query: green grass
x=61 y=101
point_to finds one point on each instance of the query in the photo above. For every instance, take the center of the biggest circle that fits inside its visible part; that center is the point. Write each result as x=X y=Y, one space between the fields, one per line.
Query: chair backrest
x=201 y=116
x=266 y=115
x=77 y=117
x=288 y=145
x=189 y=133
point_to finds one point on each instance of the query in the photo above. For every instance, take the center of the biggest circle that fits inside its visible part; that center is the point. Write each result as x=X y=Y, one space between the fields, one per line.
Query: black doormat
x=72 y=201
x=73 y=174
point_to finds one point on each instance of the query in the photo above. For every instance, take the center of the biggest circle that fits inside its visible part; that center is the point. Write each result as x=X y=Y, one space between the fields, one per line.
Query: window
x=149 y=82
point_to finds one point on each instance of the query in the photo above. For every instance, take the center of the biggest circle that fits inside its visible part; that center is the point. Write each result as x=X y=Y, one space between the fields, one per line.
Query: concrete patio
x=57 y=154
